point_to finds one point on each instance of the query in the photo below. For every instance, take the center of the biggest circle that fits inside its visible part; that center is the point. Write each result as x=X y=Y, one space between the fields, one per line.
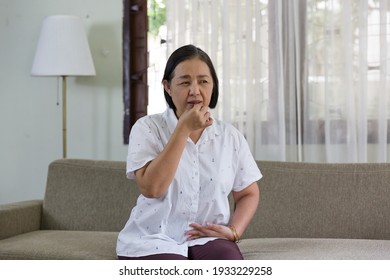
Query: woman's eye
x=185 y=83
x=203 y=81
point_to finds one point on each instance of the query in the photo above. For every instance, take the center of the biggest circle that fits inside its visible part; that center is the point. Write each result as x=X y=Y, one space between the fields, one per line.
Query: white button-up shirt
x=220 y=162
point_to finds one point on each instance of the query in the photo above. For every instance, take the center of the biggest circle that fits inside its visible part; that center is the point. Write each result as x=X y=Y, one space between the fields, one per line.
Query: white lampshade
x=63 y=48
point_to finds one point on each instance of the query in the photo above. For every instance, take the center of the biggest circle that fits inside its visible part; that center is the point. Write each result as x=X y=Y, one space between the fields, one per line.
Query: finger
x=192 y=232
x=197 y=107
x=210 y=225
x=194 y=236
x=217 y=230
x=206 y=230
x=213 y=227
x=195 y=226
x=196 y=229
x=204 y=109
x=199 y=231
x=209 y=121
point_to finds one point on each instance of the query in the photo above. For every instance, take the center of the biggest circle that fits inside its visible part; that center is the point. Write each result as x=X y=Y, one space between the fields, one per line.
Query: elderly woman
x=186 y=163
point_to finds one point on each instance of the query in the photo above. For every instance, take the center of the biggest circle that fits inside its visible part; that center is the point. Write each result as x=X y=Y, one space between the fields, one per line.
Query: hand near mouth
x=196 y=117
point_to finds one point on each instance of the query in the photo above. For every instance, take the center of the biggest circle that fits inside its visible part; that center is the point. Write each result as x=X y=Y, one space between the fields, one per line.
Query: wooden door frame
x=135 y=63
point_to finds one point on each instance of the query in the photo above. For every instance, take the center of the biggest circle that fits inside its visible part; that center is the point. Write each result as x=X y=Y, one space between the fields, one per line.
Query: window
x=303 y=80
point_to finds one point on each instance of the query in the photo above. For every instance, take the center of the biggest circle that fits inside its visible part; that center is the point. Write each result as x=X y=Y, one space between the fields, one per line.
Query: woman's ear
x=167 y=87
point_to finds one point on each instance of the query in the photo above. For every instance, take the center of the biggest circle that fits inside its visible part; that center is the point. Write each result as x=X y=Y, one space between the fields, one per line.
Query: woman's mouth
x=192 y=103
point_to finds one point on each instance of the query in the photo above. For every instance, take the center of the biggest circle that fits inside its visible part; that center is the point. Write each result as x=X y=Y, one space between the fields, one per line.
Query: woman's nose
x=194 y=89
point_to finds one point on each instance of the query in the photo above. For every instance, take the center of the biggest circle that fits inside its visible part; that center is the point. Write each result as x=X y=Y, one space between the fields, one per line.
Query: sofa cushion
x=314 y=249
x=84 y=245
x=60 y=245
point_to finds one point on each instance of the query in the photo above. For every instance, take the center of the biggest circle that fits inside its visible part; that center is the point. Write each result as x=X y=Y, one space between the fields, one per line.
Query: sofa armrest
x=20 y=217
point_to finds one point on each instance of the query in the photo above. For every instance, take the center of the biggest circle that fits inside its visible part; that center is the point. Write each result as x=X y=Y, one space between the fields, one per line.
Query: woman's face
x=191 y=84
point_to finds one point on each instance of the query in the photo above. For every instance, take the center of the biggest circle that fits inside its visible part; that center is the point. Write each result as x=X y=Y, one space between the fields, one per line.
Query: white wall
x=30 y=120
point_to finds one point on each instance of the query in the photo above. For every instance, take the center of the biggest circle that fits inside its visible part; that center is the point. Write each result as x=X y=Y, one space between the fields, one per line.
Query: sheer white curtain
x=304 y=80
x=347 y=97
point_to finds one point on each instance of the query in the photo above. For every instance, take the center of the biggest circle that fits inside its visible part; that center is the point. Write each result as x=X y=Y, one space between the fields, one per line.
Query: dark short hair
x=185 y=53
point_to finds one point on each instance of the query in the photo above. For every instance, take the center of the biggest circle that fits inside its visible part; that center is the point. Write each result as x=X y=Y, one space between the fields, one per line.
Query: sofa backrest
x=315 y=200
x=87 y=195
x=303 y=200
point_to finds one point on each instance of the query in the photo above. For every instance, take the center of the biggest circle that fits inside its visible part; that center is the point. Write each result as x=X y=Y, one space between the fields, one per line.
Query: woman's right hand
x=198 y=117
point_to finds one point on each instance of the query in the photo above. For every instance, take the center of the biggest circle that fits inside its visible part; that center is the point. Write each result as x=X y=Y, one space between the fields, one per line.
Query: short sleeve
x=247 y=170
x=143 y=145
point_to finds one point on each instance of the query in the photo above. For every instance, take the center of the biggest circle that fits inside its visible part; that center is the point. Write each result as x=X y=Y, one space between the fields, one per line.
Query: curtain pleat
x=384 y=79
x=363 y=82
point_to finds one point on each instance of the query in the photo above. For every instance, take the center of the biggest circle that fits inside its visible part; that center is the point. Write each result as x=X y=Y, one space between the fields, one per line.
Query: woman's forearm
x=246 y=205
x=154 y=178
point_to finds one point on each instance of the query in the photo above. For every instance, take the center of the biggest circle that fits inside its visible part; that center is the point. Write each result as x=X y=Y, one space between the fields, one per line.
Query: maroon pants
x=218 y=249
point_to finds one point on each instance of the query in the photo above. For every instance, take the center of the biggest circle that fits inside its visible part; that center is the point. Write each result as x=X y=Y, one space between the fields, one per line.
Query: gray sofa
x=306 y=211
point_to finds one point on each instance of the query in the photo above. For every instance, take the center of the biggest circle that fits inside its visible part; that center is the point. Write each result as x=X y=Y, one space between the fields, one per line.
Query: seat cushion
x=60 y=245
x=87 y=245
x=314 y=249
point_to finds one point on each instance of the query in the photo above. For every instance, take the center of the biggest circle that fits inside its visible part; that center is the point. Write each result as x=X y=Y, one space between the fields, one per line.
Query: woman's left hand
x=209 y=230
